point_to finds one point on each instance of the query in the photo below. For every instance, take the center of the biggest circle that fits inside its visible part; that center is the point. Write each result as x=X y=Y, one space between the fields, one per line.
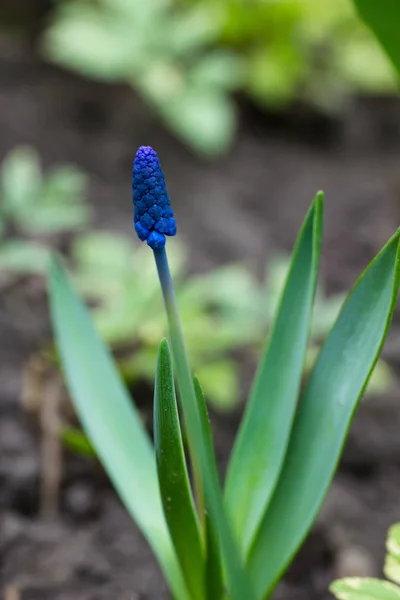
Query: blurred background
x=252 y=106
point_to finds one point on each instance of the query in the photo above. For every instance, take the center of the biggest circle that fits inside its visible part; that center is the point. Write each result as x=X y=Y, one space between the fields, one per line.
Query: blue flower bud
x=141 y=231
x=156 y=240
x=154 y=218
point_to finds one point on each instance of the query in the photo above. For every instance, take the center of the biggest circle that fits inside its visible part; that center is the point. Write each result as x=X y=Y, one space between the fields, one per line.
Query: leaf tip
x=197 y=385
x=163 y=349
x=318 y=204
x=164 y=360
x=316 y=209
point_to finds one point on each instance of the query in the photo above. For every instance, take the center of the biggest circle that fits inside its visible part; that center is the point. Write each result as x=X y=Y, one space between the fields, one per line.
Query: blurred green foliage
x=75 y=440
x=315 y=51
x=223 y=310
x=370 y=588
x=383 y=18
x=110 y=271
x=34 y=207
x=170 y=56
x=186 y=57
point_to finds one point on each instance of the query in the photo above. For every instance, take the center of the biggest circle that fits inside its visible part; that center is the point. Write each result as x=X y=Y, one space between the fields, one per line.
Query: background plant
x=368 y=588
x=168 y=54
x=316 y=52
x=186 y=57
x=383 y=23
x=34 y=208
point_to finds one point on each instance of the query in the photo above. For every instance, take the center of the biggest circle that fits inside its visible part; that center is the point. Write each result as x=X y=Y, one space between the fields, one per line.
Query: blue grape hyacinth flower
x=153 y=216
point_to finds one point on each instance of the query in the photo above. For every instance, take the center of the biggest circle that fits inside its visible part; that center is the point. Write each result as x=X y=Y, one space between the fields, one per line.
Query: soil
x=242 y=207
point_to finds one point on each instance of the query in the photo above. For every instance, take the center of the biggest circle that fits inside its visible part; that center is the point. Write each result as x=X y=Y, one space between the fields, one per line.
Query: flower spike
x=153 y=217
x=154 y=220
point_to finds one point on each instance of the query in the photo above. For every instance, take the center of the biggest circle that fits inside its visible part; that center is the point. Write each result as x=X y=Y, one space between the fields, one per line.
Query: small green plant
x=186 y=57
x=296 y=49
x=235 y=541
x=166 y=53
x=34 y=207
x=368 y=588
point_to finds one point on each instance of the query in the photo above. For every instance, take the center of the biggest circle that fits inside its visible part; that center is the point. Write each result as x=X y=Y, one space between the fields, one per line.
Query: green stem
x=183 y=371
x=202 y=454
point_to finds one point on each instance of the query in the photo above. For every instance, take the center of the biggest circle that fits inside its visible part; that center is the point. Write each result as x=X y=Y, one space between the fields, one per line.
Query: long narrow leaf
x=238 y=582
x=111 y=421
x=203 y=458
x=175 y=489
x=325 y=412
x=213 y=573
x=264 y=434
x=383 y=17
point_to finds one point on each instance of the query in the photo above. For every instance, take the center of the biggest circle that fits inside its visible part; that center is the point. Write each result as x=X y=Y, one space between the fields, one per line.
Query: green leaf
x=213 y=572
x=111 y=421
x=48 y=219
x=65 y=184
x=383 y=18
x=222 y=383
x=238 y=582
x=96 y=248
x=173 y=478
x=194 y=29
x=203 y=458
x=20 y=181
x=76 y=441
x=219 y=69
x=356 y=588
x=324 y=415
x=85 y=39
x=359 y=588
x=202 y=117
x=363 y=63
x=263 y=437
x=274 y=74
x=392 y=562
x=23 y=257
